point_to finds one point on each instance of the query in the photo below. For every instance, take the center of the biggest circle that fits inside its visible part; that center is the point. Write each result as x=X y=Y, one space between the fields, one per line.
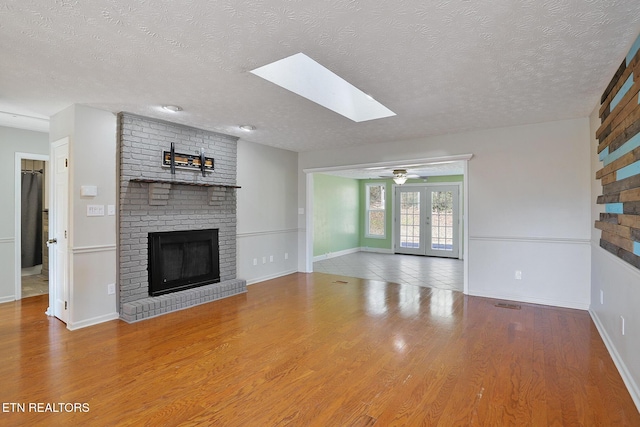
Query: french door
x=427 y=220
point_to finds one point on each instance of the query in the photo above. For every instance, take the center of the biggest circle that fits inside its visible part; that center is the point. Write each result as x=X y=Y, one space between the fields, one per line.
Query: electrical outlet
x=264 y=259
x=270 y=258
x=286 y=255
x=255 y=261
x=518 y=275
x=111 y=288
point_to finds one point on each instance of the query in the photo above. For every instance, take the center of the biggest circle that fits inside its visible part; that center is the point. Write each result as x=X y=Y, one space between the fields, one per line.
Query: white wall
x=92 y=240
x=12 y=141
x=267 y=212
x=529 y=204
x=620 y=285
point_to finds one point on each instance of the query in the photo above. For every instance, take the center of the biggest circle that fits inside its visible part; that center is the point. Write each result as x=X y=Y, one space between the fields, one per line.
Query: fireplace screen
x=182 y=259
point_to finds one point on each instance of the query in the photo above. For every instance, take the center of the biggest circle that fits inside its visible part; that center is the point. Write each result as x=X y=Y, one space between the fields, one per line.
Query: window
x=375 y=219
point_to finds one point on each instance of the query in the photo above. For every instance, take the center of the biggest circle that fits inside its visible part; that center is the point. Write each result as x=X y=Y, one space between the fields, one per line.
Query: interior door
x=427 y=220
x=58 y=231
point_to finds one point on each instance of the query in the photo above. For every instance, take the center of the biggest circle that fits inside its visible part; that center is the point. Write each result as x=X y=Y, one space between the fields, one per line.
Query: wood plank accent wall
x=619 y=150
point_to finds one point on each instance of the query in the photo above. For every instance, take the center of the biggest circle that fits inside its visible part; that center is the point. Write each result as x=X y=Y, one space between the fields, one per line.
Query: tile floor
x=440 y=273
x=35 y=284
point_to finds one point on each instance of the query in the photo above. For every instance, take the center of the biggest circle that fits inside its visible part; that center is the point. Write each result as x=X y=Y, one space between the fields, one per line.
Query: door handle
x=51 y=242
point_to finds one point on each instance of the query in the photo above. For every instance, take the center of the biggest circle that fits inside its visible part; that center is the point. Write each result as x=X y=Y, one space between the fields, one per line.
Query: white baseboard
x=330 y=255
x=352 y=251
x=632 y=386
x=92 y=321
x=269 y=277
x=7 y=299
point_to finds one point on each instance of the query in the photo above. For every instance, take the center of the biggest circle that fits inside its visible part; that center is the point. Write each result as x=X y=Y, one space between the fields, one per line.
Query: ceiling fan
x=400 y=176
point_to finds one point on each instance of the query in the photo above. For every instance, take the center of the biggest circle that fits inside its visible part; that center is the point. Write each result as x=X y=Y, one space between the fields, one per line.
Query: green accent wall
x=336 y=214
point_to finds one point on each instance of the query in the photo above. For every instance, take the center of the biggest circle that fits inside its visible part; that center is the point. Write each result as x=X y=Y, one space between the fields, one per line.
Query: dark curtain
x=31 y=219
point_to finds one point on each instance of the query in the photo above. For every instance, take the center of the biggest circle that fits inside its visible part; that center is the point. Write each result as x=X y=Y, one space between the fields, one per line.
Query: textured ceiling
x=443 y=66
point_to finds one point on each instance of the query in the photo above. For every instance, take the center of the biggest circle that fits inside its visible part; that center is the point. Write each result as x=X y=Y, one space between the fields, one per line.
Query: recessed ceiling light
x=172 y=108
x=247 y=128
x=305 y=77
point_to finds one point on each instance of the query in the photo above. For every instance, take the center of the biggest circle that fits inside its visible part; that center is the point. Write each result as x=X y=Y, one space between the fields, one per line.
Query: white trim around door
x=426 y=219
x=18 y=215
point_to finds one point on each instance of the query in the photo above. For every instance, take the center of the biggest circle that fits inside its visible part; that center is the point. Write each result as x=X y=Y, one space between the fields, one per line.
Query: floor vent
x=511 y=306
x=341 y=282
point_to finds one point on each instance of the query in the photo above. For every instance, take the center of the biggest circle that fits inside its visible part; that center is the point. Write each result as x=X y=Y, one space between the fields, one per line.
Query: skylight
x=304 y=76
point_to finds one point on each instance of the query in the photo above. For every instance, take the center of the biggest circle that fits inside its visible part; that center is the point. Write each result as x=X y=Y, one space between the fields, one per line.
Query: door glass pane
x=409 y=219
x=442 y=220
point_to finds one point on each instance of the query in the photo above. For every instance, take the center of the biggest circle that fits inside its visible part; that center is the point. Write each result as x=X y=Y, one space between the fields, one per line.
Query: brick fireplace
x=153 y=200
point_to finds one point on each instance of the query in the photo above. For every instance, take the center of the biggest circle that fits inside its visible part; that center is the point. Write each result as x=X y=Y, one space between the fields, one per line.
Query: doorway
x=427 y=220
x=31 y=256
x=306 y=249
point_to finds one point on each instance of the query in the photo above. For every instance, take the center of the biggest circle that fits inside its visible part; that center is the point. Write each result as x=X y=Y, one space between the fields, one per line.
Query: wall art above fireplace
x=187 y=161
x=199 y=161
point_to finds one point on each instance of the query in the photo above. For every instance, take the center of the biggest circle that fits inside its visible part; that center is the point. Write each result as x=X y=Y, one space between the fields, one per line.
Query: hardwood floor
x=315 y=350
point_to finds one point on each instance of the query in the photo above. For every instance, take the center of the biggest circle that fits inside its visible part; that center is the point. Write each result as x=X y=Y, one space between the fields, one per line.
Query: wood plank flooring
x=311 y=350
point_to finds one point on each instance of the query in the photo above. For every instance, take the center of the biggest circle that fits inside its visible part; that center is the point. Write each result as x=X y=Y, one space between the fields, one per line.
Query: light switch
x=111 y=210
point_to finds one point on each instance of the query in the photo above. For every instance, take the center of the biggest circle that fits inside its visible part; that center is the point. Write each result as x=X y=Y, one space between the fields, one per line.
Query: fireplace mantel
x=196 y=184
x=159 y=189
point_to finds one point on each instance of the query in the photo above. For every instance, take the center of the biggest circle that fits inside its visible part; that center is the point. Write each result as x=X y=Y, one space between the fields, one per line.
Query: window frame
x=368 y=210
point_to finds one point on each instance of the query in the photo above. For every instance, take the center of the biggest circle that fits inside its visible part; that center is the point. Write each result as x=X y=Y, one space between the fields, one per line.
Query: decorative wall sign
x=619 y=150
x=187 y=161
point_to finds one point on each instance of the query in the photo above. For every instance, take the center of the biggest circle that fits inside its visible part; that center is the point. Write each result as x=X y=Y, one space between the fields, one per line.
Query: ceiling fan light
x=400 y=176
x=399 y=179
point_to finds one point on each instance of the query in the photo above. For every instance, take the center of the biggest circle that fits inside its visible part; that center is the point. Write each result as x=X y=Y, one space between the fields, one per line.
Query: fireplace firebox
x=182 y=259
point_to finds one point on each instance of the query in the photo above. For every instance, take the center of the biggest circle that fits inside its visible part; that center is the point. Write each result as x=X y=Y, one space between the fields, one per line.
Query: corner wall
x=336 y=215
x=92 y=240
x=267 y=212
